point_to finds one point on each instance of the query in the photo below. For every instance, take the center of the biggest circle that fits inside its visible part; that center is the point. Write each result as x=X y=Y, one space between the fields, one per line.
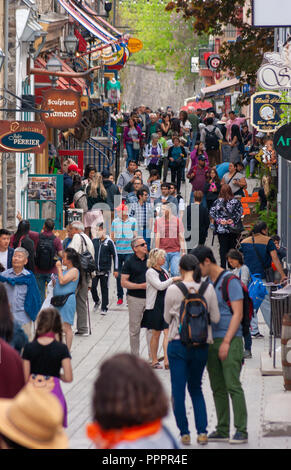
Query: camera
x=108 y=7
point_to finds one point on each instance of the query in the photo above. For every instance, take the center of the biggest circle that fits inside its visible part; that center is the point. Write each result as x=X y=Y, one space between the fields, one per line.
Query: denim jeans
x=193 y=142
x=42 y=280
x=121 y=260
x=252 y=164
x=132 y=154
x=172 y=263
x=186 y=367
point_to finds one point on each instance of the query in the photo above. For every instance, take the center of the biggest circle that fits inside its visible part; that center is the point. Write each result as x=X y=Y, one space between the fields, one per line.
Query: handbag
x=136 y=145
x=238 y=228
x=86 y=259
x=60 y=300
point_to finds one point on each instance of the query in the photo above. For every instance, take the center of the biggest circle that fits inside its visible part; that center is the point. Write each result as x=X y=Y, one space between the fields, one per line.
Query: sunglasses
x=142 y=244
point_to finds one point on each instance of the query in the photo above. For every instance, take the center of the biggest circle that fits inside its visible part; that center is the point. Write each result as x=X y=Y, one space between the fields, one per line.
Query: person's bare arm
x=67 y=375
x=126 y=284
x=26 y=369
x=71 y=275
x=237 y=315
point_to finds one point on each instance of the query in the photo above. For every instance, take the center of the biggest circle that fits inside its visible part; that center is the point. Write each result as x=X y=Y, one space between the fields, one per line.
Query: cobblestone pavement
x=110 y=336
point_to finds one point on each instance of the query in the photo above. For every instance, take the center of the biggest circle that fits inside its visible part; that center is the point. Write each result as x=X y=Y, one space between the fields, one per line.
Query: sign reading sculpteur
x=282 y=142
x=22 y=136
x=63 y=108
x=265 y=111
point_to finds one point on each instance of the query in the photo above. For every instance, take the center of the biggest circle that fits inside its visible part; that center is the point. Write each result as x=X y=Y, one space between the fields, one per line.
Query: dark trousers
x=121 y=260
x=226 y=242
x=104 y=279
x=176 y=176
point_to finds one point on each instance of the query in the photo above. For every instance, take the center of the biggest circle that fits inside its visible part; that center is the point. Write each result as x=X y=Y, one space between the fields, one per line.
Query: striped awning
x=90 y=21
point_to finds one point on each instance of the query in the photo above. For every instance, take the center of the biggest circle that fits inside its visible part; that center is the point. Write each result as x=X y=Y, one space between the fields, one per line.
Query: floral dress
x=224 y=210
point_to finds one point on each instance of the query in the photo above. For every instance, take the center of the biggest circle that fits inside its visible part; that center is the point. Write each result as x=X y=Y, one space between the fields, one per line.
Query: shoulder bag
x=87 y=260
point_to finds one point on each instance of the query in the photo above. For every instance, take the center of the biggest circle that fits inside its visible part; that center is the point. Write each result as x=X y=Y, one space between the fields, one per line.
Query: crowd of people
x=140 y=228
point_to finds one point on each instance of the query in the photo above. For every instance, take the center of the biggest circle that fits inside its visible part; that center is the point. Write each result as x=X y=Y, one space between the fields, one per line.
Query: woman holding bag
x=66 y=284
x=132 y=140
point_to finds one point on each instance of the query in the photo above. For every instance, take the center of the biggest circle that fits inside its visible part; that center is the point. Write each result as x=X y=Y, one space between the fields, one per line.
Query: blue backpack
x=257 y=290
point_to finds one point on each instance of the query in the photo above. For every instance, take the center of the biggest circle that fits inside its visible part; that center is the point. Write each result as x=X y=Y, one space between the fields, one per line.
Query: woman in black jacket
x=176 y=156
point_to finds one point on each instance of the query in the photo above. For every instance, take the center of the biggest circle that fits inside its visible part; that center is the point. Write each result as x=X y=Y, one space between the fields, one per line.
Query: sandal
x=157 y=365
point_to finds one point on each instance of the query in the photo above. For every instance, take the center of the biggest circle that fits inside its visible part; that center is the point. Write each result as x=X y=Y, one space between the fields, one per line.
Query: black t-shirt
x=136 y=268
x=45 y=360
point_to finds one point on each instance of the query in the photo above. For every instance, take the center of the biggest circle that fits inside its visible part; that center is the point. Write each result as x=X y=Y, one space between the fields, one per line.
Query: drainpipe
x=5 y=155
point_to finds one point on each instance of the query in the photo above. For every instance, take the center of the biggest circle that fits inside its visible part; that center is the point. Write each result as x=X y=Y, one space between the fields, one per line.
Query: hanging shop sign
x=22 y=136
x=265 y=111
x=194 y=64
x=282 y=142
x=275 y=73
x=213 y=62
x=64 y=107
x=134 y=45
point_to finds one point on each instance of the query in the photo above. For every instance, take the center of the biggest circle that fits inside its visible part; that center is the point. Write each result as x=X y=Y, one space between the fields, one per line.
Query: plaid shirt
x=142 y=214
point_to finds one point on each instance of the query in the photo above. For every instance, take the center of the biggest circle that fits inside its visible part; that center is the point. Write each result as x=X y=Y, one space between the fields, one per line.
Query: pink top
x=194 y=158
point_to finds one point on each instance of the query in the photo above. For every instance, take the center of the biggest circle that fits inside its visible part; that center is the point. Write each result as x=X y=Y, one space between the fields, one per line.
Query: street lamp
x=54 y=65
x=71 y=44
x=2 y=59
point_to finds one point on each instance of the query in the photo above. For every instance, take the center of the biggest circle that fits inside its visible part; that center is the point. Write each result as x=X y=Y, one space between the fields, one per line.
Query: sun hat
x=33 y=419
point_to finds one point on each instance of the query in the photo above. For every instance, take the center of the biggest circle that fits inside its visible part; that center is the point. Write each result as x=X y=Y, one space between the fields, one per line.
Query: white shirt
x=80 y=246
x=4 y=258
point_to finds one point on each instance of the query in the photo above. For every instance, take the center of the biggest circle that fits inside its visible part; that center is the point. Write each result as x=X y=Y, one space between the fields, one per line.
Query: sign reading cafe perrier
x=22 y=136
x=265 y=109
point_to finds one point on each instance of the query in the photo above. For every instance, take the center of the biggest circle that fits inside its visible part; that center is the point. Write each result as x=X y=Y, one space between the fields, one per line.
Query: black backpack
x=211 y=140
x=194 y=316
x=45 y=252
x=248 y=308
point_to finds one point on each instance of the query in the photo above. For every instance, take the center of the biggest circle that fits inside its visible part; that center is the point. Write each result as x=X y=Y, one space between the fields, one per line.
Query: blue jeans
x=252 y=164
x=132 y=154
x=42 y=280
x=186 y=367
x=172 y=263
x=193 y=142
x=121 y=260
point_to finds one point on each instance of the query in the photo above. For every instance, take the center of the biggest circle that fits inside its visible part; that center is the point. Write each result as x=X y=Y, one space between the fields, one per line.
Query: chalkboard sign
x=225 y=152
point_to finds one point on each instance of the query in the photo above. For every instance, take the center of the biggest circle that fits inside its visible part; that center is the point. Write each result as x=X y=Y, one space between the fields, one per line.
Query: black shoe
x=216 y=437
x=257 y=336
x=239 y=438
x=82 y=334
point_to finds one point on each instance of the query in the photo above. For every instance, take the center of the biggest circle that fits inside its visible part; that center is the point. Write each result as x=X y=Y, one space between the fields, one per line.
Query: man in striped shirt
x=123 y=231
x=143 y=213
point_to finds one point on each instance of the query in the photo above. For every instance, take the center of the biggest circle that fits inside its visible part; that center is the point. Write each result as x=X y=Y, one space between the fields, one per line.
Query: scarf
x=108 y=439
x=32 y=303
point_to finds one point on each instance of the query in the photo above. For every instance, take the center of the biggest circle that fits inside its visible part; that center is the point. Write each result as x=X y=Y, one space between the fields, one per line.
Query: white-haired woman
x=157 y=280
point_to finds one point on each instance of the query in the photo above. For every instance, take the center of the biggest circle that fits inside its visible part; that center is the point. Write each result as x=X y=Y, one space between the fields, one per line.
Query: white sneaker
x=104 y=312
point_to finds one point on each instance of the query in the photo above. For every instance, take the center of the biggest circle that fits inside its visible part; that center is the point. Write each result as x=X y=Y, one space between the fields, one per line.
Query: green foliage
x=270 y=217
x=241 y=58
x=168 y=41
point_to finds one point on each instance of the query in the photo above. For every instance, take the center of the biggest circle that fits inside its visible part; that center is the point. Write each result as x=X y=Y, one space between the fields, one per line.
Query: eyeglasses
x=142 y=244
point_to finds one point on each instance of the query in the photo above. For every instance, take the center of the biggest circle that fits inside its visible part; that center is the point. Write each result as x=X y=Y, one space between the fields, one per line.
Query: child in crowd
x=46 y=355
x=154 y=183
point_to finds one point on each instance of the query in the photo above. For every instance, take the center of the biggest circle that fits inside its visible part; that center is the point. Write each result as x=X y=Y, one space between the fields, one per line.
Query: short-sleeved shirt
x=136 y=268
x=169 y=231
x=17 y=295
x=57 y=246
x=235 y=292
x=123 y=234
x=263 y=246
x=46 y=360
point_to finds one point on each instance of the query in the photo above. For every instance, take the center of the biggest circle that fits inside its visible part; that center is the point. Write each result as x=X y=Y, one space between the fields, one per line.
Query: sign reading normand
x=64 y=107
x=22 y=136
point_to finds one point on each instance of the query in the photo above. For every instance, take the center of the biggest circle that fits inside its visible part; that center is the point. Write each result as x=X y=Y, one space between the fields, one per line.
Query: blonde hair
x=154 y=255
x=97 y=187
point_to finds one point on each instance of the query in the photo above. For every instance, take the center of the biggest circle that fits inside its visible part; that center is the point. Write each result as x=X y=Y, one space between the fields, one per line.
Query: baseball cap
x=201 y=157
x=105 y=173
x=73 y=168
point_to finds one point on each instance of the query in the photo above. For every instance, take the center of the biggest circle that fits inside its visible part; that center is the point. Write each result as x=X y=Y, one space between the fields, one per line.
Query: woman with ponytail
x=187 y=364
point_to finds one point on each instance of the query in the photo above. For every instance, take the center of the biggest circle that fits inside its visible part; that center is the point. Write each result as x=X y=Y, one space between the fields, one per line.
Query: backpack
x=257 y=291
x=211 y=140
x=248 y=308
x=45 y=252
x=194 y=316
x=80 y=200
